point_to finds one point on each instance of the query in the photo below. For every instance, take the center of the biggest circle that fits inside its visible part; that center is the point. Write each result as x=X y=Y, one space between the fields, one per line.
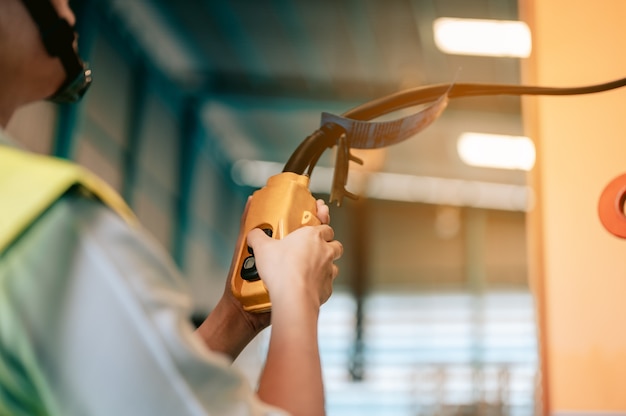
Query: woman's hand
x=296 y=253
x=300 y=267
x=229 y=328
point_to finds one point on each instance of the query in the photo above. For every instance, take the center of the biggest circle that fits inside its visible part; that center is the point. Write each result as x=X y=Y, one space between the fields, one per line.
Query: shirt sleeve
x=94 y=318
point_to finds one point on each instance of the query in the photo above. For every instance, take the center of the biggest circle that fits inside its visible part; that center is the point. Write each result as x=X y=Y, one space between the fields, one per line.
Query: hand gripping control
x=281 y=207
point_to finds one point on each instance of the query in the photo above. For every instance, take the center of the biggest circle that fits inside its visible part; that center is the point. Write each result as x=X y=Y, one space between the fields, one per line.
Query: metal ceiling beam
x=133 y=130
x=189 y=137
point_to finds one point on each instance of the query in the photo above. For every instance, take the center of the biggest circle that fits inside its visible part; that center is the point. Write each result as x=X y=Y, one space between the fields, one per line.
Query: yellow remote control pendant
x=282 y=206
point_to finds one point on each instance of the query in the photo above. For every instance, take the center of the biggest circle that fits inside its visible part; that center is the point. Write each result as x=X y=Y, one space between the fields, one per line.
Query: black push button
x=248 y=270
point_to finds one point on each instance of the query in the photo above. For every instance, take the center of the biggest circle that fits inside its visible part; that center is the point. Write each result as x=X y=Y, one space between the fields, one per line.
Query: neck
x=6 y=111
x=15 y=93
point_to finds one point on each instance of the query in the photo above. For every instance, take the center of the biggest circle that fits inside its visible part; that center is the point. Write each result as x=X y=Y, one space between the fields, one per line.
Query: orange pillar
x=578 y=268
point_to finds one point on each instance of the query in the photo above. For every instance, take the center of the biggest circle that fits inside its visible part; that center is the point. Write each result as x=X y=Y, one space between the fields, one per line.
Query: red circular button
x=611 y=206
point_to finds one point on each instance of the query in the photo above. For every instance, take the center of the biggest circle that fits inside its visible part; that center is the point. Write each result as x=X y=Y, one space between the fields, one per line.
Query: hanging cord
x=310 y=150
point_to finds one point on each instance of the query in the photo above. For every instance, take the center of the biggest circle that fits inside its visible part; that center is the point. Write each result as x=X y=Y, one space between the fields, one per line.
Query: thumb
x=257 y=236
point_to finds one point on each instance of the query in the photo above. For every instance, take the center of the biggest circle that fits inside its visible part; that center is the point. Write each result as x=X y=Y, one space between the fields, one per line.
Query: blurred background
x=195 y=103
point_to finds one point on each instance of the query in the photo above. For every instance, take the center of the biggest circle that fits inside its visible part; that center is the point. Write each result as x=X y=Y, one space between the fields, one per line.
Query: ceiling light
x=482 y=37
x=496 y=151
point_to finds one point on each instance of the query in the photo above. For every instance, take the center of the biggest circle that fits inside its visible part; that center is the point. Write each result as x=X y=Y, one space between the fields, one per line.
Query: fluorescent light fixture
x=400 y=187
x=482 y=37
x=496 y=151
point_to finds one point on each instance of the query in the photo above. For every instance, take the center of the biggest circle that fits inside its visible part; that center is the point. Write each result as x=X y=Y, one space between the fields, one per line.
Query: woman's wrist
x=301 y=311
x=226 y=329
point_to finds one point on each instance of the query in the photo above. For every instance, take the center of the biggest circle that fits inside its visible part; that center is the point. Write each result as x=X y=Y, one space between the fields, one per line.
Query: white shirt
x=94 y=320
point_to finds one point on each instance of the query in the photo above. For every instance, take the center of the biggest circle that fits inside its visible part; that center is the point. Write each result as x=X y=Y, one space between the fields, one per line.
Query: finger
x=256 y=236
x=337 y=248
x=323 y=212
x=326 y=232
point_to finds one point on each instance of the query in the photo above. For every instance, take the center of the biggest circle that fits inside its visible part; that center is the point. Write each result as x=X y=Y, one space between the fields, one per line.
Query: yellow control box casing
x=283 y=205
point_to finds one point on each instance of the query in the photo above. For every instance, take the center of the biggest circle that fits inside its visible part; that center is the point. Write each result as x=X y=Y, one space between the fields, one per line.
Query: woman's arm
x=298 y=272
